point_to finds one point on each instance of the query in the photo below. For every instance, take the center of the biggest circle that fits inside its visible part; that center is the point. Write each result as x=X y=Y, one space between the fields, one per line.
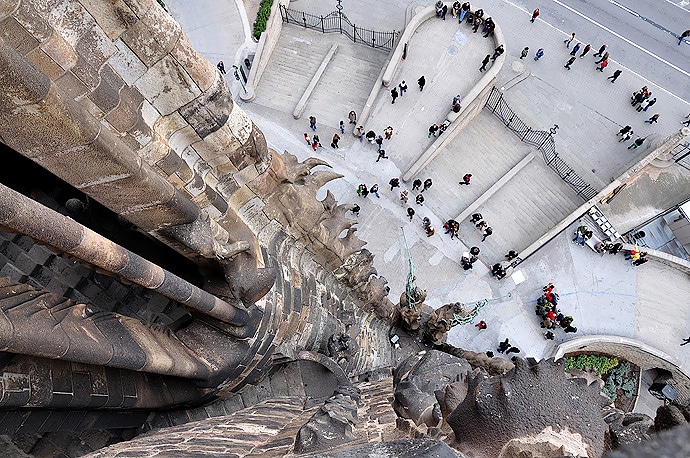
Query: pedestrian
x=419 y=199
x=600 y=52
x=653 y=119
x=315 y=142
x=379 y=142
x=342 y=127
x=481 y=225
x=352 y=116
x=604 y=57
x=421 y=81
x=650 y=103
x=626 y=136
x=512 y=254
x=513 y=350
x=643 y=105
x=497 y=52
x=221 y=67
x=403 y=196
x=687 y=123
x=474 y=251
x=455 y=9
x=394 y=94
x=484 y=62
x=624 y=130
x=487 y=232
x=439 y=8
x=576 y=48
x=481 y=325
x=429 y=229
x=307 y=139
x=569 y=63
x=685 y=341
x=416 y=184
x=637 y=143
x=535 y=15
x=524 y=53
x=463 y=11
x=539 y=54
x=382 y=155
x=580 y=234
x=403 y=87
x=395 y=183
x=359 y=132
x=602 y=65
x=410 y=212
x=362 y=190
x=641 y=260
x=615 y=76
x=427 y=184
x=570 y=329
x=549 y=335
x=388 y=132
x=432 y=130
x=637 y=97
x=683 y=36
x=586 y=50
x=444 y=11
x=476 y=217
x=375 y=190
x=466 y=179
x=355 y=210
x=312 y=122
x=476 y=24
x=489 y=27
x=569 y=40
x=616 y=248
x=336 y=139
x=503 y=346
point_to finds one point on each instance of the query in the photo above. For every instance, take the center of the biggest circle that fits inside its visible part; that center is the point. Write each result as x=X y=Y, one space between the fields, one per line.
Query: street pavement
x=605 y=294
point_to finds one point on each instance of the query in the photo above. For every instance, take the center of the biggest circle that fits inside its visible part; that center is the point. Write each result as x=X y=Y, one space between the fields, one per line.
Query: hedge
x=262 y=18
x=601 y=364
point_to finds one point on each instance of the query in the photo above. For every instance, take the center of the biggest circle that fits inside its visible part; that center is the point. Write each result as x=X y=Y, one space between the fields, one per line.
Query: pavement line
x=622 y=38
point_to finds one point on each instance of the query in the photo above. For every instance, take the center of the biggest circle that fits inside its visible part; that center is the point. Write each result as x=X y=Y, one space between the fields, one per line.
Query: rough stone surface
x=522 y=404
x=402 y=448
x=667 y=444
x=667 y=417
x=627 y=428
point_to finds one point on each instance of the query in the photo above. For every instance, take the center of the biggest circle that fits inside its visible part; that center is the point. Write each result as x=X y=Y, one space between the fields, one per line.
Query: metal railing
x=542 y=140
x=681 y=155
x=337 y=21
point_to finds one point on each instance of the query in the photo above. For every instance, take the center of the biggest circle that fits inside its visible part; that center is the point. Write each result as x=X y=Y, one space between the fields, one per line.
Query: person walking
x=379 y=142
x=643 y=105
x=685 y=341
x=394 y=94
x=580 y=233
x=524 y=53
x=444 y=11
x=427 y=184
x=603 y=65
x=626 y=136
x=307 y=139
x=410 y=212
x=484 y=62
x=569 y=40
x=650 y=103
x=336 y=139
x=388 y=132
x=535 y=15
x=604 y=57
x=395 y=183
x=342 y=127
x=403 y=87
x=355 y=209
x=653 y=119
x=487 y=232
x=637 y=143
x=600 y=52
x=416 y=184
x=382 y=155
x=315 y=142
x=497 y=52
x=683 y=36
x=312 y=122
x=586 y=50
x=539 y=54
x=576 y=48
x=466 y=179
x=421 y=81
x=359 y=132
x=221 y=67
x=432 y=130
x=624 y=130
x=569 y=63
x=362 y=190
x=419 y=199
x=512 y=254
x=403 y=196
x=481 y=325
x=463 y=11
x=375 y=190
x=352 y=116
x=615 y=76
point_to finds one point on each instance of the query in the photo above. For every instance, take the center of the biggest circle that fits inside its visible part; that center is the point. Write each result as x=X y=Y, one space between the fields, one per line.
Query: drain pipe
x=26 y=216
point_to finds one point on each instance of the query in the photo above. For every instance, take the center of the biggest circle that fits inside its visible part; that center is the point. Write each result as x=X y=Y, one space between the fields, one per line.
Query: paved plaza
x=605 y=294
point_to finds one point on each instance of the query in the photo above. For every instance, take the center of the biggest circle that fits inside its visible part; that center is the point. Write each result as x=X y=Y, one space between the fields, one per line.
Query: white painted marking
x=623 y=7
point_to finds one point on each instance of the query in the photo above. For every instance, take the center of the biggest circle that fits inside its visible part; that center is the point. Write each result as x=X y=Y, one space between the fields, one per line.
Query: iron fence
x=337 y=21
x=681 y=155
x=540 y=139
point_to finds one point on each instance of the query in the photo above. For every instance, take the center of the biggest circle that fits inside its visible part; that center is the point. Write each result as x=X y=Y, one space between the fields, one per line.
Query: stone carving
x=627 y=428
x=418 y=378
x=332 y=424
x=516 y=413
x=492 y=365
x=409 y=310
x=359 y=273
x=441 y=321
x=667 y=417
x=341 y=348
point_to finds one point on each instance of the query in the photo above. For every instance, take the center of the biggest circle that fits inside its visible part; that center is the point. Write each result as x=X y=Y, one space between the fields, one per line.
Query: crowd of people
x=549 y=313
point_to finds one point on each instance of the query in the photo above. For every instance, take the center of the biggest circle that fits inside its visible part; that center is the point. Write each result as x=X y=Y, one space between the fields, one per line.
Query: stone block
x=185 y=173
x=7 y=7
x=86 y=73
x=60 y=51
x=179 y=210
x=32 y=21
x=180 y=141
x=199 y=68
x=25 y=263
x=217 y=409
x=234 y=404
x=222 y=142
x=17 y=36
x=72 y=21
x=153 y=36
x=170 y=163
x=107 y=95
x=167 y=86
x=114 y=17
x=44 y=63
x=154 y=152
x=208 y=112
x=124 y=117
x=91 y=108
x=11 y=272
x=72 y=86
x=240 y=197
x=126 y=64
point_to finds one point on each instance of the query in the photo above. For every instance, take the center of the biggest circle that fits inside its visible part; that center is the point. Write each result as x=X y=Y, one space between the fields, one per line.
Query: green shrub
x=601 y=364
x=160 y=2
x=618 y=379
x=262 y=17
